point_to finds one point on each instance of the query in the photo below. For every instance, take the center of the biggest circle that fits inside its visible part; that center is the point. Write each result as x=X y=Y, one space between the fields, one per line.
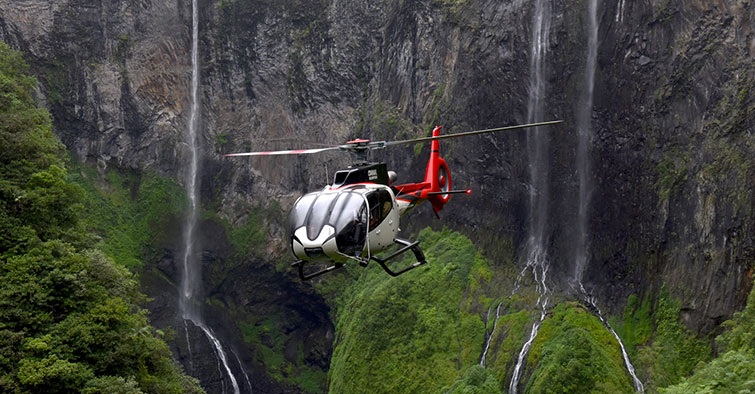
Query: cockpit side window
x=380 y=205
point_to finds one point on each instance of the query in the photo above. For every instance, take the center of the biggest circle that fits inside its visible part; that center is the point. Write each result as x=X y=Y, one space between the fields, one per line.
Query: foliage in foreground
x=68 y=315
x=734 y=370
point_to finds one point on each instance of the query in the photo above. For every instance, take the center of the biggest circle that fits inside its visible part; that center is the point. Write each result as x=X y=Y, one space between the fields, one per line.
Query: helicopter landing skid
x=304 y=276
x=407 y=245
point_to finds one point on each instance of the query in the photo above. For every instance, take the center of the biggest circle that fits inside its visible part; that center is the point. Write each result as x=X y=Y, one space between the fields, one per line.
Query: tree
x=69 y=316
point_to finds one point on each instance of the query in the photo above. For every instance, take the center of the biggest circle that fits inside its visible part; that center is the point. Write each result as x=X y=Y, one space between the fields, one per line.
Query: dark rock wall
x=673 y=151
x=674 y=154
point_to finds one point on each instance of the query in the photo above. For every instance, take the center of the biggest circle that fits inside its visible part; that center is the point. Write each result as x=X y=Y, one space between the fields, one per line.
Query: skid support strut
x=405 y=246
x=304 y=276
x=414 y=246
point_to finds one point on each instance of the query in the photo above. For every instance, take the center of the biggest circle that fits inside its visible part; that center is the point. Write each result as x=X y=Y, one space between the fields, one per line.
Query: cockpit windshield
x=345 y=211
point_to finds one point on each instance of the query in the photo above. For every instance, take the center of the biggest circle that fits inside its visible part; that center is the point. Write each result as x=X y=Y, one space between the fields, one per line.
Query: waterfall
x=584 y=134
x=489 y=335
x=537 y=154
x=241 y=367
x=219 y=352
x=620 y=11
x=190 y=277
x=638 y=386
x=537 y=140
x=536 y=260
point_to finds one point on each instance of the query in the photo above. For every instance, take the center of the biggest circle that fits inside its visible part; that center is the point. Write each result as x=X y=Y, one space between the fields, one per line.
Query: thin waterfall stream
x=537 y=155
x=537 y=260
x=191 y=278
x=584 y=135
x=638 y=386
x=489 y=334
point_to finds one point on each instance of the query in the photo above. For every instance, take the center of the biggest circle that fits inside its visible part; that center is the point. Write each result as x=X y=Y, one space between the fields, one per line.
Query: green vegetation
x=741 y=335
x=574 y=353
x=510 y=336
x=514 y=323
x=734 y=370
x=663 y=350
x=270 y=340
x=416 y=332
x=69 y=320
x=274 y=341
x=266 y=331
x=476 y=380
x=675 y=351
x=671 y=177
x=636 y=326
x=130 y=212
x=249 y=237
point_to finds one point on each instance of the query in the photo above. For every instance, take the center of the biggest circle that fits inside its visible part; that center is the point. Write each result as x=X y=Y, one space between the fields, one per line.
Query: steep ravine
x=671 y=217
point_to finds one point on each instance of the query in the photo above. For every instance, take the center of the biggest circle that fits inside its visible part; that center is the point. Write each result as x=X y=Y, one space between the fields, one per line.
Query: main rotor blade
x=362 y=145
x=442 y=137
x=284 y=152
x=291 y=139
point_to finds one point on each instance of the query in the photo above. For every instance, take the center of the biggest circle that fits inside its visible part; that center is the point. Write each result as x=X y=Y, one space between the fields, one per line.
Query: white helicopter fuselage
x=351 y=222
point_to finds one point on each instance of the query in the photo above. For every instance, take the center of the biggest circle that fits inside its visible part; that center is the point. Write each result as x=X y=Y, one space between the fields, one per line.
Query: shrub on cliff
x=734 y=370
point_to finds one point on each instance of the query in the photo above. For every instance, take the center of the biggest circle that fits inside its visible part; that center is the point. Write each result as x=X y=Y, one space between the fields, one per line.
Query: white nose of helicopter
x=324 y=245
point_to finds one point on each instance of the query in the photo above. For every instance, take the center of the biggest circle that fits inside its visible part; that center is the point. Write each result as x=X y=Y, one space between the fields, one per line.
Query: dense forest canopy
x=69 y=315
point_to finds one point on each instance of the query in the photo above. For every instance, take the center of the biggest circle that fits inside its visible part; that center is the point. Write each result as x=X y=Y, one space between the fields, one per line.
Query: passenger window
x=380 y=206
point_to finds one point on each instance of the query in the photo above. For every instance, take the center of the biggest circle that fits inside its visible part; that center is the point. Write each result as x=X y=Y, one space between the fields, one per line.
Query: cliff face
x=672 y=151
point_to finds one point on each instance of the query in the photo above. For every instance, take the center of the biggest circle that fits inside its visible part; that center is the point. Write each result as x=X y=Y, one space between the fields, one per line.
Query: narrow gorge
x=605 y=254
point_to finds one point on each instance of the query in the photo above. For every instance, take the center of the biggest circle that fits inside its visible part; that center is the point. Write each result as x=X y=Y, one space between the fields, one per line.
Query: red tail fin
x=437 y=174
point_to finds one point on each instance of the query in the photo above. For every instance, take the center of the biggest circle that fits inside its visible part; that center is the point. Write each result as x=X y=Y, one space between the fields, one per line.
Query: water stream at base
x=536 y=260
x=241 y=367
x=220 y=354
x=638 y=386
x=190 y=280
x=489 y=334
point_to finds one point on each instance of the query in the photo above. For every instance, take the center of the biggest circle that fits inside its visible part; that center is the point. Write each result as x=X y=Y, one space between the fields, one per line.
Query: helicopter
x=357 y=216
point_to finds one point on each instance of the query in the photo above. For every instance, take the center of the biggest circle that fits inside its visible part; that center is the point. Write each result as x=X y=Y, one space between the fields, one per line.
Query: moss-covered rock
x=575 y=353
